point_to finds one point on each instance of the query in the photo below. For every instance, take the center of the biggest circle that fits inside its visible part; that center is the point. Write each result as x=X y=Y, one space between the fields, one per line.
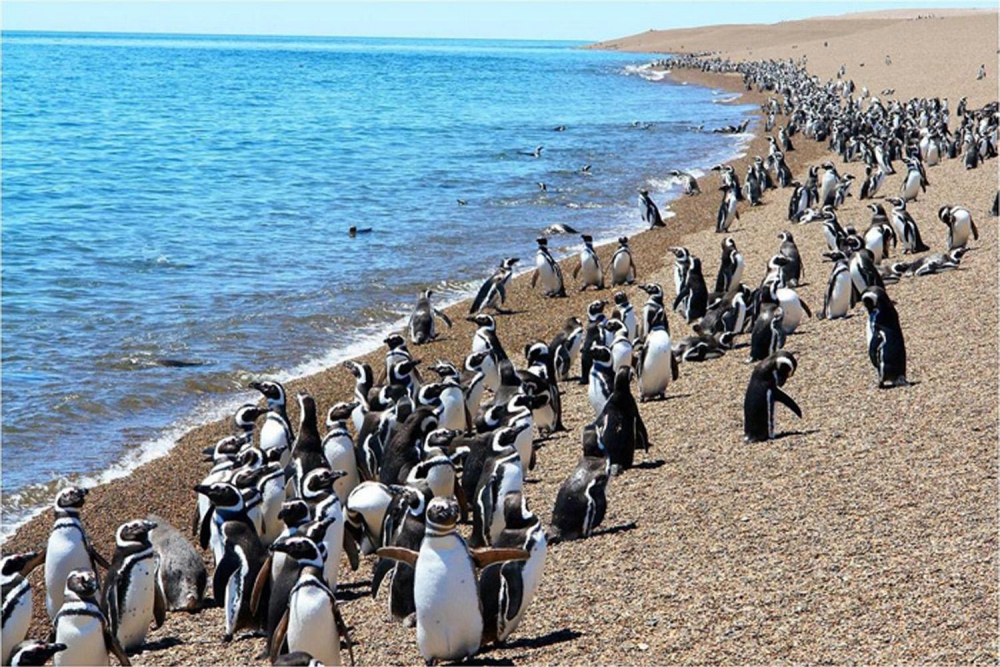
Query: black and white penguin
x=547 y=271
x=655 y=364
x=493 y=292
x=828 y=184
x=653 y=304
x=914 y=181
x=622 y=267
x=682 y=264
x=507 y=589
x=689 y=184
x=339 y=450
x=566 y=346
x=364 y=380
x=906 y=227
x=307 y=452
x=17 y=602
x=727 y=209
x=864 y=273
x=798 y=203
x=589 y=266
x=874 y=179
x=692 y=299
x=181 y=573
x=594 y=335
x=648 y=210
x=421 y=325
x=930 y=265
x=276 y=433
x=622 y=350
x=131 y=595
x=81 y=626
x=454 y=413
x=601 y=378
x=483 y=447
x=403 y=450
x=768 y=335
x=791 y=272
x=763 y=392
x=485 y=338
x=960 y=225
x=837 y=299
x=730 y=267
x=886 y=348
x=502 y=475
x=480 y=371
x=68 y=548
x=620 y=426
x=30 y=652
x=547 y=418
x=581 y=501
x=625 y=313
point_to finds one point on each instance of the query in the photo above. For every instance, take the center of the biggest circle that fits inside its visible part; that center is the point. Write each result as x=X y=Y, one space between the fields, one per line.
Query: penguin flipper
x=351 y=549
x=534 y=278
x=805 y=307
x=674 y=371
x=382 y=568
x=484 y=557
x=278 y=638
x=110 y=596
x=96 y=556
x=477 y=303
x=344 y=632
x=680 y=298
x=205 y=530
x=114 y=647
x=463 y=502
x=511 y=603
x=444 y=317
x=260 y=584
x=159 y=605
x=223 y=572
x=402 y=554
x=788 y=402
x=975 y=232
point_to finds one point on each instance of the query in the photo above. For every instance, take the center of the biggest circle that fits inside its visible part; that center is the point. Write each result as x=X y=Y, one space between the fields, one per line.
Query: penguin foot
x=411 y=622
x=227 y=638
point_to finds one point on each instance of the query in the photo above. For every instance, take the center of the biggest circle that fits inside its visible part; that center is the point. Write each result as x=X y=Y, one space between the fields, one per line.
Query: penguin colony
x=414 y=455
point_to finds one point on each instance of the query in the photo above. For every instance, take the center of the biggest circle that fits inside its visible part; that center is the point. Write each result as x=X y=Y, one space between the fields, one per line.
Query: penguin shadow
x=550 y=639
x=649 y=465
x=788 y=434
x=354 y=591
x=661 y=399
x=158 y=645
x=614 y=530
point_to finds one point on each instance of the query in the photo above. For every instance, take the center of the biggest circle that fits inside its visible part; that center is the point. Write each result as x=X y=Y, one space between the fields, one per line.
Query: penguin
x=403 y=450
x=874 y=178
x=620 y=426
x=763 y=392
x=689 y=184
x=243 y=556
x=625 y=313
x=559 y=227
x=547 y=418
x=307 y=452
x=656 y=364
x=312 y=621
x=493 y=292
x=727 y=210
x=793 y=307
x=906 y=227
x=338 y=449
x=81 y=626
x=68 y=548
x=270 y=482
x=132 y=595
x=798 y=203
x=581 y=501
x=276 y=433
x=601 y=377
x=837 y=301
x=730 y=267
x=886 y=348
x=502 y=474
x=828 y=184
x=913 y=182
x=480 y=370
x=703 y=347
x=693 y=295
x=364 y=380
x=223 y=456
x=653 y=304
x=682 y=264
x=594 y=335
x=792 y=271
x=17 y=602
x=422 y=329
x=621 y=346
x=648 y=211
x=485 y=338
x=877 y=240
x=31 y=652
x=180 y=574
x=768 y=334
x=507 y=589
x=403 y=526
x=622 y=266
x=930 y=265
x=589 y=265
x=960 y=225
x=448 y=627
x=326 y=508
x=566 y=347
x=547 y=271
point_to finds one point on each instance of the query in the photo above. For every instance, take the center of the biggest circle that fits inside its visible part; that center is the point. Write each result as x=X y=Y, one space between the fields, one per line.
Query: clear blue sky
x=534 y=20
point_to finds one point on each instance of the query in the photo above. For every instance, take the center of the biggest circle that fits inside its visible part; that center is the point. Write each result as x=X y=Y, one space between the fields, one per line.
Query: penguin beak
x=337 y=474
x=203 y=489
x=280 y=547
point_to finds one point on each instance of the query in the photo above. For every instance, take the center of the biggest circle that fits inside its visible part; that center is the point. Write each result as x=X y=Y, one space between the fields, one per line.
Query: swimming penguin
x=763 y=392
x=131 y=595
x=422 y=329
x=581 y=502
x=589 y=266
x=791 y=272
x=547 y=271
x=448 y=627
x=960 y=225
x=689 y=184
x=656 y=365
x=886 y=348
x=594 y=334
x=81 y=626
x=648 y=211
x=338 y=449
x=507 y=589
x=312 y=622
x=276 y=433
x=906 y=227
x=622 y=266
x=730 y=267
x=30 y=652
x=727 y=209
x=837 y=301
x=625 y=313
x=620 y=426
x=69 y=548
x=242 y=557
x=692 y=299
x=566 y=346
x=768 y=334
x=17 y=602
x=180 y=573
x=493 y=292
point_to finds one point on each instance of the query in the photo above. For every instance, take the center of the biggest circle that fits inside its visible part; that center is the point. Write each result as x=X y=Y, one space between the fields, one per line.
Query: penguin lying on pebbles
x=181 y=574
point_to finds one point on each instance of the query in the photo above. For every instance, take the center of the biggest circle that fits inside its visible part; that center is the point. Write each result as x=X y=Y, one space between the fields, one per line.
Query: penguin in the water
x=589 y=266
x=17 y=602
x=620 y=426
x=763 y=392
x=69 y=548
x=648 y=210
x=422 y=329
x=960 y=225
x=582 y=499
x=886 y=348
x=448 y=627
x=181 y=573
x=493 y=292
x=30 y=652
x=547 y=271
x=131 y=595
x=622 y=266
x=81 y=626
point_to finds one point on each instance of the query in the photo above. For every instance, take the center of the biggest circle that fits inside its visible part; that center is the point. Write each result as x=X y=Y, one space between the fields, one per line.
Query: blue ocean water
x=187 y=198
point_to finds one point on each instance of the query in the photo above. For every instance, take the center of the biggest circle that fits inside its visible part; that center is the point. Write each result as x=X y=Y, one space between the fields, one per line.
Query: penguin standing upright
x=566 y=347
x=364 y=380
x=622 y=265
x=601 y=377
x=768 y=335
x=730 y=267
x=886 y=348
x=276 y=433
x=625 y=313
x=763 y=391
x=547 y=271
x=17 y=602
x=653 y=304
x=307 y=452
x=692 y=298
x=493 y=293
x=837 y=301
x=581 y=501
x=791 y=272
x=422 y=329
x=656 y=364
x=338 y=449
x=131 y=595
x=620 y=426
x=81 y=626
x=589 y=267
x=594 y=335
x=69 y=548
x=906 y=227
x=727 y=209
x=914 y=181
x=960 y=225
x=648 y=211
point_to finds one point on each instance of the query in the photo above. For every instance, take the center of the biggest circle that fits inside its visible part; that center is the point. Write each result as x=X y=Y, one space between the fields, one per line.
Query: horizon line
x=11 y=31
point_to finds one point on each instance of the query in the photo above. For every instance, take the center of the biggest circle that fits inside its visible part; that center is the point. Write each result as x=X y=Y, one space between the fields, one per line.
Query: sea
x=176 y=211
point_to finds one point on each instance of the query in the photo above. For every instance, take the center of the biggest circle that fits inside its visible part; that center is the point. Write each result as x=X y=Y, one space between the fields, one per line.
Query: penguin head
x=876 y=209
x=440 y=438
x=786 y=237
x=537 y=352
x=509 y=262
x=307 y=409
x=621 y=299
x=395 y=342
x=247 y=415
x=516 y=515
x=318 y=482
x=274 y=392
x=614 y=325
x=445 y=369
x=340 y=412
x=957 y=254
x=223 y=449
x=596 y=307
x=401 y=370
x=71 y=498
x=359 y=370
x=474 y=361
x=222 y=495
x=505 y=437
x=134 y=532
x=945 y=215
x=34 y=652
x=250 y=458
x=294 y=512
x=623 y=241
x=442 y=515
x=593 y=446
x=681 y=253
x=600 y=353
x=874 y=297
x=483 y=321
x=784 y=366
x=623 y=379
x=303 y=549
x=729 y=243
x=897 y=203
x=652 y=289
x=430 y=394
x=542 y=242
x=82 y=583
x=21 y=564
x=587 y=239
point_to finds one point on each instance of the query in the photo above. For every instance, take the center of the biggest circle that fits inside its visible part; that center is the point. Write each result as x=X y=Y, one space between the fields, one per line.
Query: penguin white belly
x=273 y=435
x=531 y=575
x=597 y=392
x=15 y=628
x=873 y=242
x=84 y=640
x=546 y=274
x=960 y=231
x=334 y=541
x=475 y=396
x=840 y=298
x=656 y=368
x=358 y=417
x=621 y=353
x=453 y=414
x=912 y=186
x=479 y=343
x=792 y=307
x=630 y=324
x=449 y=617
x=65 y=552
x=621 y=268
x=235 y=592
x=339 y=453
x=737 y=272
x=137 y=611
x=511 y=482
x=272 y=498
x=590 y=272
x=312 y=626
